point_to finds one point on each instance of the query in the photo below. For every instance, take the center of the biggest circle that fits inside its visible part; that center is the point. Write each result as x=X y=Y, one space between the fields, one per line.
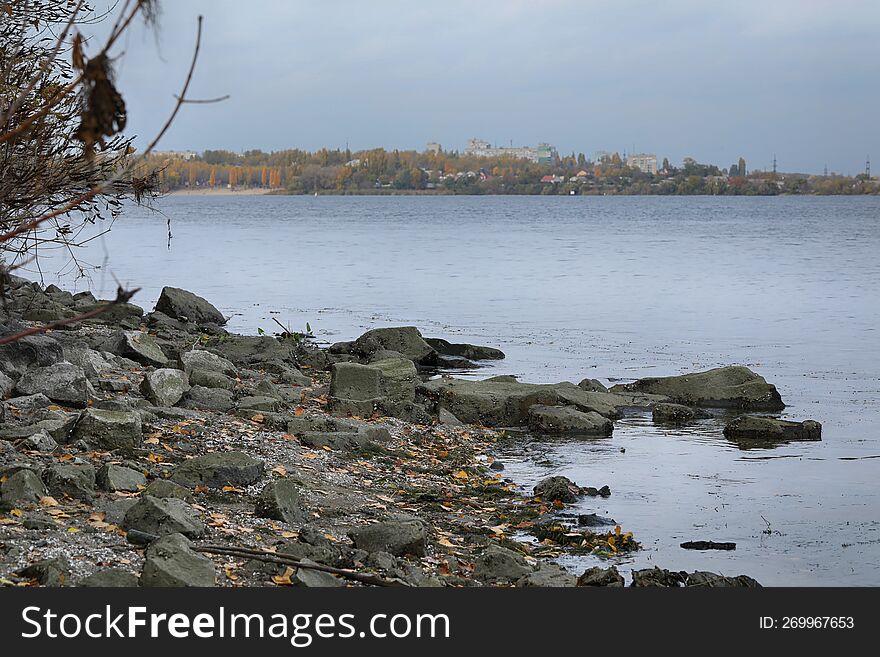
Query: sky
x=710 y=80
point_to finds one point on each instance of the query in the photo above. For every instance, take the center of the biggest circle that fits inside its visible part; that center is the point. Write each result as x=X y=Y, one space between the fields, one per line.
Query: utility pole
x=868 y=167
x=826 y=171
x=774 y=165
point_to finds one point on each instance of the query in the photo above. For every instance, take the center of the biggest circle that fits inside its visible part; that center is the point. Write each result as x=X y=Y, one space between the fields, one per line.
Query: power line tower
x=826 y=171
x=868 y=167
x=774 y=164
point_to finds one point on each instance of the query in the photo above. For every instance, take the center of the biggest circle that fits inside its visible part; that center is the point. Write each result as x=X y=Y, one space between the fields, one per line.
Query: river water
x=612 y=288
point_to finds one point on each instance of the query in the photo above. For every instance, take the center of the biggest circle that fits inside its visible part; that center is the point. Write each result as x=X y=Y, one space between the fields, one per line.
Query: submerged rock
x=464 y=350
x=184 y=305
x=552 y=489
x=757 y=428
x=565 y=420
x=723 y=387
x=675 y=414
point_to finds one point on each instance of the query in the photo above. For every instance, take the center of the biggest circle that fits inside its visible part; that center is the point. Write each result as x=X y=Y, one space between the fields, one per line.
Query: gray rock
x=497 y=565
x=117 y=312
x=22 y=486
x=713 y=580
x=26 y=353
x=29 y=403
x=64 y=382
x=163 y=516
x=464 y=350
x=199 y=359
x=597 y=576
x=723 y=387
x=109 y=430
x=93 y=362
x=112 y=477
x=109 y=578
x=247 y=350
x=447 y=418
x=758 y=428
x=354 y=381
x=184 y=305
x=592 y=385
x=208 y=379
x=314 y=578
x=171 y=561
x=565 y=420
x=40 y=441
x=48 y=572
x=139 y=347
x=166 y=488
x=6 y=386
x=658 y=577
x=115 y=509
x=548 y=575
x=219 y=469
x=358 y=389
x=557 y=488
x=397 y=537
x=207 y=399
x=74 y=479
x=282 y=500
x=403 y=339
x=165 y=386
x=259 y=403
x=340 y=441
x=675 y=414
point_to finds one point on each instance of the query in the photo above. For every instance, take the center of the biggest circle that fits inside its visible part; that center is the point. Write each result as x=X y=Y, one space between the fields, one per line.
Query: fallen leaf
x=461 y=474
x=280 y=470
x=284 y=579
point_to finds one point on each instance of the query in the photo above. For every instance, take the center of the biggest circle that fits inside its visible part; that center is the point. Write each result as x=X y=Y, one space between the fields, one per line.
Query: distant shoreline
x=220 y=191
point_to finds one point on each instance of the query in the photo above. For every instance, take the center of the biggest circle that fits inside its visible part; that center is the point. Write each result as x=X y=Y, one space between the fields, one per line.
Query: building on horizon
x=644 y=162
x=433 y=147
x=543 y=153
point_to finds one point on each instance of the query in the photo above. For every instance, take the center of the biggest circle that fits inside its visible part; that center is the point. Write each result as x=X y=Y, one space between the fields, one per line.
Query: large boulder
x=722 y=387
x=758 y=428
x=28 y=352
x=113 y=477
x=397 y=537
x=172 y=562
x=598 y=576
x=165 y=386
x=207 y=399
x=109 y=430
x=138 y=346
x=163 y=516
x=199 y=359
x=250 y=350
x=64 y=383
x=405 y=340
x=76 y=480
x=184 y=305
x=464 y=350
x=566 y=420
x=359 y=389
x=22 y=486
x=219 y=469
x=490 y=403
x=499 y=565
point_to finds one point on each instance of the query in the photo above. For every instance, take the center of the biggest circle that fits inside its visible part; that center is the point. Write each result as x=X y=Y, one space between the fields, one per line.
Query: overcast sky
x=710 y=80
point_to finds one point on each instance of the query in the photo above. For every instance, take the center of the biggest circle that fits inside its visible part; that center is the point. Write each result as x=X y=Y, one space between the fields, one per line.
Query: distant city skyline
x=680 y=79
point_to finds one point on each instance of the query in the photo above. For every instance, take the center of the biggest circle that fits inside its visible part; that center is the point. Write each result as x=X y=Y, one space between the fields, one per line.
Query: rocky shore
x=158 y=449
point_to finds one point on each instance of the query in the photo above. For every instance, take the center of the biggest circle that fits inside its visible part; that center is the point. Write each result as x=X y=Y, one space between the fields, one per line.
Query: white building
x=644 y=162
x=544 y=153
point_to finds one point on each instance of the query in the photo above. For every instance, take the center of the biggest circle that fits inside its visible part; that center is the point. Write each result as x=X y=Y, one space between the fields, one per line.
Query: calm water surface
x=608 y=288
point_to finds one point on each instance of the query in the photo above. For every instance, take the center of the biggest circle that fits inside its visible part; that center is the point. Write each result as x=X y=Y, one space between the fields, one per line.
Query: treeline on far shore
x=378 y=171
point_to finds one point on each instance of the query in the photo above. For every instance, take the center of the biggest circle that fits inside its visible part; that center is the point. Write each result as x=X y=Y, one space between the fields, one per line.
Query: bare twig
x=122 y=296
x=271 y=557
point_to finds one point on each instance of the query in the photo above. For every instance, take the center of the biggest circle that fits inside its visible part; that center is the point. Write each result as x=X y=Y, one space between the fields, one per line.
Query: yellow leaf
x=280 y=470
x=16 y=513
x=152 y=440
x=284 y=579
x=289 y=534
x=257 y=418
x=232 y=489
x=445 y=543
x=461 y=474
x=72 y=530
